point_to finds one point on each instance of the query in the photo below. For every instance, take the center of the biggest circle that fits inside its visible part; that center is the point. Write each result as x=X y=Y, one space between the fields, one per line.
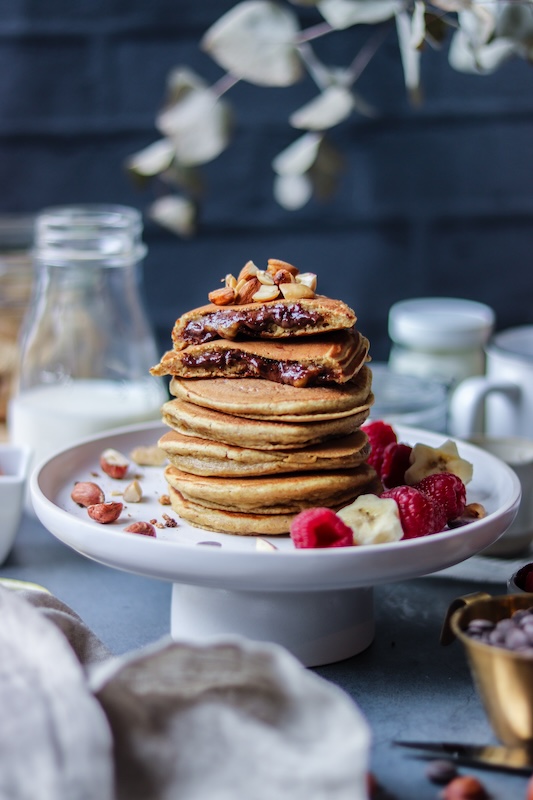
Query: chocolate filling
x=253 y=366
x=232 y=323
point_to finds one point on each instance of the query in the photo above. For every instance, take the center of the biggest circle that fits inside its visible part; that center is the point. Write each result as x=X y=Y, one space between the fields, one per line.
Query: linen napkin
x=226 y=720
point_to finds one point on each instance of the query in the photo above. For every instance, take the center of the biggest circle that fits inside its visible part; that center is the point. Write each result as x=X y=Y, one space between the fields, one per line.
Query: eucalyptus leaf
x=292 y=191
x=410 y=56
x=176 y=214
x=436 y=29
x=188 y=179
x=341 y=14
x=155 y=158
x=180 y=81
x=255 y=41
x=198 y=125
x=452 y=6
x=332 y=106
x=418 y=25
x=326 y=170
x=478 y=23
x=299 y=156
x=481 y=61
x=516 y=21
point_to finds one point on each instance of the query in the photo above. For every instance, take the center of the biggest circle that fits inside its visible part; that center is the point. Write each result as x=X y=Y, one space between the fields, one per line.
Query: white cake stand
x=316 y=603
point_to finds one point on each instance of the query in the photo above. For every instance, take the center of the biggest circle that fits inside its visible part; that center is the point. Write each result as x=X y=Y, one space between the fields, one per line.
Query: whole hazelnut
x=465 y=787
x=114 y=463
x=86 y=494
x=105 y=512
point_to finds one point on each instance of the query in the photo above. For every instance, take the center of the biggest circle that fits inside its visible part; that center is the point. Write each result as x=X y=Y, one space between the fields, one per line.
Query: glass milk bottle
x=86 y=346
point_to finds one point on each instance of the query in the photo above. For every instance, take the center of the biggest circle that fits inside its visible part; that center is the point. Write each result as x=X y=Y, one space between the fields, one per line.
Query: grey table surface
x=407 y=684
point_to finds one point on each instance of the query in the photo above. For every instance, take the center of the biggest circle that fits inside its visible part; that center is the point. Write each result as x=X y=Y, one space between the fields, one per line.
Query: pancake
x=286 y=494
x=235 y=522
x=254 y=398
x=331 y=358
x=192 y=420
x=208 y=458
x=227 y=522
x=271 y=320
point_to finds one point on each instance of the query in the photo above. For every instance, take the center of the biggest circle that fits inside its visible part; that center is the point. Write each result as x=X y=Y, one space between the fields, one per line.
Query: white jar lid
x=440 y=323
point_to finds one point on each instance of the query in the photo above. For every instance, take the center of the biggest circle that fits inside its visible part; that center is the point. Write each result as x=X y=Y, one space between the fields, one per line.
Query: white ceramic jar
x=441 y=338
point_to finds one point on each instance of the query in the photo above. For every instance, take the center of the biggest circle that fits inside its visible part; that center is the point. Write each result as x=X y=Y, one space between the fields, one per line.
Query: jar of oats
x=16 y=271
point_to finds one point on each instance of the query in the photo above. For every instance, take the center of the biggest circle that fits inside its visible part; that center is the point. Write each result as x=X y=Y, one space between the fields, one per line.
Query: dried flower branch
x=261 y=41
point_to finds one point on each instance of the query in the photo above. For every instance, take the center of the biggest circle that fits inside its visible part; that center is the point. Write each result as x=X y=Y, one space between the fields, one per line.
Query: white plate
x=176 y=556
x=236 y=566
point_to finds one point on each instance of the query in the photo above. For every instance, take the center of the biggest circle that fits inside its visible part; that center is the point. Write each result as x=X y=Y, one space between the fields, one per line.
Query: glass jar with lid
x=441 y=338
x=87 y=345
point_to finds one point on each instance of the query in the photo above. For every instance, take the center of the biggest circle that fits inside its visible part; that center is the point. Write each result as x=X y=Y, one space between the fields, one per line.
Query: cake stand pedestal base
x=318 y=627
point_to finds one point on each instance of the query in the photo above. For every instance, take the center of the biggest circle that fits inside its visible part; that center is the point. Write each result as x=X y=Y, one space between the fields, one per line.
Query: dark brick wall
x=437 y=200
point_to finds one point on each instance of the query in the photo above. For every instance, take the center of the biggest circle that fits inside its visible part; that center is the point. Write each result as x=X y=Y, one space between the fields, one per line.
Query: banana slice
x=374 y=520
x=426 y=460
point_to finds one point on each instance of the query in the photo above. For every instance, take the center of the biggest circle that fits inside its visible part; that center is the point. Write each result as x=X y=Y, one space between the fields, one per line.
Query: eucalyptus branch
x=224 y=84
x=367 y=53
x=315 y=67
x=262 y=42
x=315 y=32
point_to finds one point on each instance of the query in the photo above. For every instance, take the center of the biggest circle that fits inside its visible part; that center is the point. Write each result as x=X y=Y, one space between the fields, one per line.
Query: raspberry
x=419 y=514
x=447 y=490
x=320 y=527
x=395 y=462
x=380 y=434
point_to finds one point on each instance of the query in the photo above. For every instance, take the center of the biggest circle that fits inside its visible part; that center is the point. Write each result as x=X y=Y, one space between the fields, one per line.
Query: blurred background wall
x=433 y=200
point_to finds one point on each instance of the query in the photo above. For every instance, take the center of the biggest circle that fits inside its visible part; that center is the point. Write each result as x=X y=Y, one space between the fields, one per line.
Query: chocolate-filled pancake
x=332 y=358
x=268 y=320
x=286 y=494
x=207 y=458
x=192 y=420
x=255 y=398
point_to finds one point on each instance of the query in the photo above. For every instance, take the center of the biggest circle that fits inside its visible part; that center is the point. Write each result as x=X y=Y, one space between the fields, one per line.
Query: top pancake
x=254 y=398
x=269 y=320
x=330 y=358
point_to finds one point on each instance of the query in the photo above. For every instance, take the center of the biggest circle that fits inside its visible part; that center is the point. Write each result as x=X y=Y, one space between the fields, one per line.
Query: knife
x=516 y=759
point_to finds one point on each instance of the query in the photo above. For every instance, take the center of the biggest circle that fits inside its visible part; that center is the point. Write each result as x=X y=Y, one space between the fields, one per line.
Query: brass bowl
x=503 y=678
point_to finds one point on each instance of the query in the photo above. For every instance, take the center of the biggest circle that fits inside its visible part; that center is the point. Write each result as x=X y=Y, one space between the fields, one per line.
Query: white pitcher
x=499 y=403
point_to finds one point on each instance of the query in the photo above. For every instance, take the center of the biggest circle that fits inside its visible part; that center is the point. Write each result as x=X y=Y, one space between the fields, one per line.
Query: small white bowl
x=14 y=462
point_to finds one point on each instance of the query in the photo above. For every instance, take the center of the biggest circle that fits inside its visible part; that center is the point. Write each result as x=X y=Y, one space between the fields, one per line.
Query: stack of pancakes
x=269 y=397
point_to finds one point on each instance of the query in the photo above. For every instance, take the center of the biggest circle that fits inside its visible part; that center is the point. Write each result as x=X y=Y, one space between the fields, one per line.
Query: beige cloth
x=224 y=721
